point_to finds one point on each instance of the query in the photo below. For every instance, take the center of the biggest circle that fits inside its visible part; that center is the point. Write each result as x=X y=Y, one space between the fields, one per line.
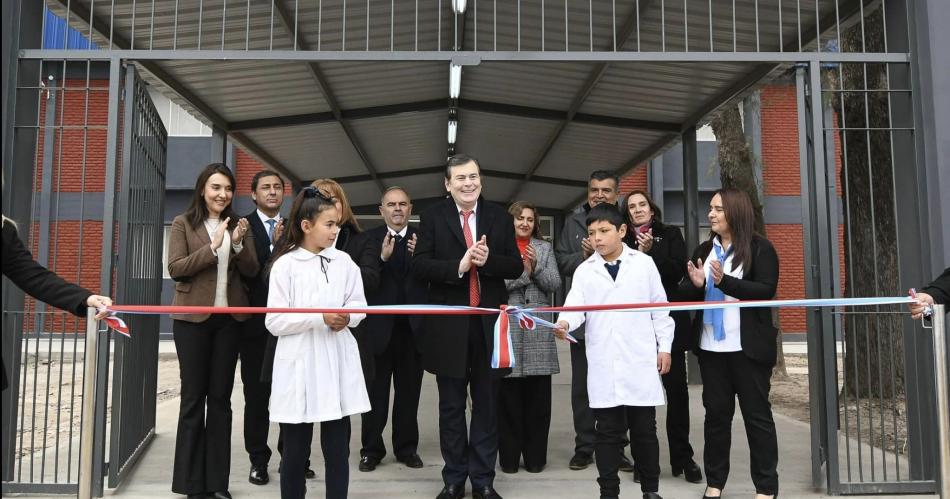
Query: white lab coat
x=622 y=346
x=317 y=372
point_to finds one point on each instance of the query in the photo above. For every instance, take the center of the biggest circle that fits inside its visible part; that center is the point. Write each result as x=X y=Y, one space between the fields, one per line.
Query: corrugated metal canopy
x=374 y=124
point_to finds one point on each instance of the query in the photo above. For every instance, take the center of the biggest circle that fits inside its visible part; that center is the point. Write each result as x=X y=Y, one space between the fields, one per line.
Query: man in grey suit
x=572 y=248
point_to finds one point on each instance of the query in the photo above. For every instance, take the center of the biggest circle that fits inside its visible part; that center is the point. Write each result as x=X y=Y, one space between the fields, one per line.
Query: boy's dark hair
x=604 y=213
x=601 y=175
x=459 y=160
x=264 y=173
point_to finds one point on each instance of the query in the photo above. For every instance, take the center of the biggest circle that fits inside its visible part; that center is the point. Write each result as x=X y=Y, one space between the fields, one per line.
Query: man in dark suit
x=466 y=249
x=391 y=339
x=267 y=190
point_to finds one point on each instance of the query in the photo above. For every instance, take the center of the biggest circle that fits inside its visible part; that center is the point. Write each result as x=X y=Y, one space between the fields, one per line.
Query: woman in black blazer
x=41 y=283
x=736 y=347
x=666 y=246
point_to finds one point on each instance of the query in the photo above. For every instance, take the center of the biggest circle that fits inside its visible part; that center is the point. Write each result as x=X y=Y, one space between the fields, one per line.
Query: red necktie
x=473 y=297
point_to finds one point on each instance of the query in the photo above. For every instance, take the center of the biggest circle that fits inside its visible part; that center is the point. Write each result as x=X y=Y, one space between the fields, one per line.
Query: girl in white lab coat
x=317 y=373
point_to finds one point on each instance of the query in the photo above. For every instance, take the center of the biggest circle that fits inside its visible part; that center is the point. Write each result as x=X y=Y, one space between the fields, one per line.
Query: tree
x=737 y=168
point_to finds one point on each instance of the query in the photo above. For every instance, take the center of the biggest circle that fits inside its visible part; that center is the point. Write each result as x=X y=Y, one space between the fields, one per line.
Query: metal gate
x=139 y=276
x=871 y=375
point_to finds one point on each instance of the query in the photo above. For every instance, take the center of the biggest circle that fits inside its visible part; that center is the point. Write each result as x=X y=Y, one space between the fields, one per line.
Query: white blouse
x=730 y=316
x=317 y=372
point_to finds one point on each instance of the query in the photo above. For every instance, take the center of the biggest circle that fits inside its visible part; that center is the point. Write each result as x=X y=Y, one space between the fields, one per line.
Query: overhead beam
x=629 y=27
x=324 y=86
x=441 y=105
x=104 y=29
x=429 y=170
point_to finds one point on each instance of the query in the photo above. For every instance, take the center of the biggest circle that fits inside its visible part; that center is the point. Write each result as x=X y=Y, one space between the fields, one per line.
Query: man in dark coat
x=466 y=249
x=391 y=339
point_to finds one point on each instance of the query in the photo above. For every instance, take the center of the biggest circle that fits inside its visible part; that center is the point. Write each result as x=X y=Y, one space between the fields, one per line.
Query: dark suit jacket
x=759 y=281
x=669 y=255
x=440 y=246
x=256 y=284
x=396 y=287
x=195 y=270
x=38 y=281
x=366 y=256
x=939 y=289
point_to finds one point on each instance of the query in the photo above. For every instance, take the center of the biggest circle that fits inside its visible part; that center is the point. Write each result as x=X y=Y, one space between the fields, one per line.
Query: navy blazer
x=396 y=287
x=759 y=282
x=439 y=248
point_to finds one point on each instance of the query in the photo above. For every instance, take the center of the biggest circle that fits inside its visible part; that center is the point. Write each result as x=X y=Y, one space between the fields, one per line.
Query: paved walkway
x=152 y=476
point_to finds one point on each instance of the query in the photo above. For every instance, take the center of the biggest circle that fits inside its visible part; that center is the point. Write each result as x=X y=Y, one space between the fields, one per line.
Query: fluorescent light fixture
x=459 y=6
x=455 y=81
x=453 y=130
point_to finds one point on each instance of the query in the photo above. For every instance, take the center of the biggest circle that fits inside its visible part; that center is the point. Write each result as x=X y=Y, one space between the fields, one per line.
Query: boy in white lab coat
x=627 y=351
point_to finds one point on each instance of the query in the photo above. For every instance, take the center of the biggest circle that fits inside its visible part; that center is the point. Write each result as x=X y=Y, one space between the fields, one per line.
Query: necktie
x=398 y=238
x=271 y=223
x=613 y=269
x=473 y=295
x=713 y=317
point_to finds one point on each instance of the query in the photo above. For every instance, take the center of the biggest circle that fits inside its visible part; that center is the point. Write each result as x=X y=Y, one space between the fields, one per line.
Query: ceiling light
x=453 y=130
x=459 y=6
x=455 y=81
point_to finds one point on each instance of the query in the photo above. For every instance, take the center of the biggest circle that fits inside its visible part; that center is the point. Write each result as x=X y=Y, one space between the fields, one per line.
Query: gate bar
x=87 y=434
x=943 y=398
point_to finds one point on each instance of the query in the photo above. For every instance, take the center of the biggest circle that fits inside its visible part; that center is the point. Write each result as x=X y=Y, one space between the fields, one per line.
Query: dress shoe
x=581 y=461
x=411 y=461
x=485 y=493
x=705 y=496
x=368 y=463
x=452 y=492
x=651 y=495
x=309 y=474
x=258 y=475
x=534 y=469
x=625 y=465
x=690 y=472
x=636 y=476
x=221 y=494
x=509 y=469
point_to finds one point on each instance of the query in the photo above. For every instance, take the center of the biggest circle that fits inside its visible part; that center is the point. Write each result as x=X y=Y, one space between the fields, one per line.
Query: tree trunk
x=873 y=342
x=737 y=166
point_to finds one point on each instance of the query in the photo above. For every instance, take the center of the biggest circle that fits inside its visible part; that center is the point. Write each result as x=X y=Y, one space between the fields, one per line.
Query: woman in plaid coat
x=524 y=408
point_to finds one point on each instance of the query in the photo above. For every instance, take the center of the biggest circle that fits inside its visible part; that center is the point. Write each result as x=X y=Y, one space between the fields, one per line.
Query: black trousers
x=677 y=411
x=524 y=420
x=401 y=363
x=335 y=442
x=727 y=376
x=256 y=392
x=584 y=434
x=612 y=426
x=207 y=354
x=470 y=452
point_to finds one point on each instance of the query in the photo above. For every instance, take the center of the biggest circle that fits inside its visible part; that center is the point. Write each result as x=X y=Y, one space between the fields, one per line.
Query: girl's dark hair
x=657 y=214
x=737 y=208
x=307 y=205
x=197 y=211
x=515 y=211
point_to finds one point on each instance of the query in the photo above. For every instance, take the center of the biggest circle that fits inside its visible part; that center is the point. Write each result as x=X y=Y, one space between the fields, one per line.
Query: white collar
x=303 y=255
x=625 y=253
x=401 y=233
x=264 y=218
x=717 y=242
x=474 y=209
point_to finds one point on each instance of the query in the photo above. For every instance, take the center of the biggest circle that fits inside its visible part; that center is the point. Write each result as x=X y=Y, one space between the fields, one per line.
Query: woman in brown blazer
x=209 y=246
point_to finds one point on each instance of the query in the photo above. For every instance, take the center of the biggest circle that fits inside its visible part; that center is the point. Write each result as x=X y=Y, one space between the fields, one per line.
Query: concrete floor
x=152 y=476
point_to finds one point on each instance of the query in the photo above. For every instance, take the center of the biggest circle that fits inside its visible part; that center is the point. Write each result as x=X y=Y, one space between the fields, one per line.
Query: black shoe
x=534 y=469
x=258 y=475
x=581 y=461
x=651 y=495
x=625 y=465
x=221 y=494
x=309 y=474
x=711 y=497
x=368 y=463
x=636 y=476
x=485 y=493
x=452 y=492
x=411 y=461
x=509 y=469
x=690 y=472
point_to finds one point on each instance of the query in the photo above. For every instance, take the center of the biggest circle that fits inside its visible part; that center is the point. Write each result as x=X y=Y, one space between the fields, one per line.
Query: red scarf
x=523 y=244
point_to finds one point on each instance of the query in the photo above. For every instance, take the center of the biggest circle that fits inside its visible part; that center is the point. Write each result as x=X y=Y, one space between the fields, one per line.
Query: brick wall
x=636 y=180
x=245 y=166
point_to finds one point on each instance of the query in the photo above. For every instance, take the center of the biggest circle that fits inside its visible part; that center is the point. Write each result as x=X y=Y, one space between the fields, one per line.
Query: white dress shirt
x=472 y=220
x=730 y=316
x=264 y=218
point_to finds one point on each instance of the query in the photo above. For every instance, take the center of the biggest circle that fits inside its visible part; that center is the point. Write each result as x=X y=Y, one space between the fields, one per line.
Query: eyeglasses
x=312 y=192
